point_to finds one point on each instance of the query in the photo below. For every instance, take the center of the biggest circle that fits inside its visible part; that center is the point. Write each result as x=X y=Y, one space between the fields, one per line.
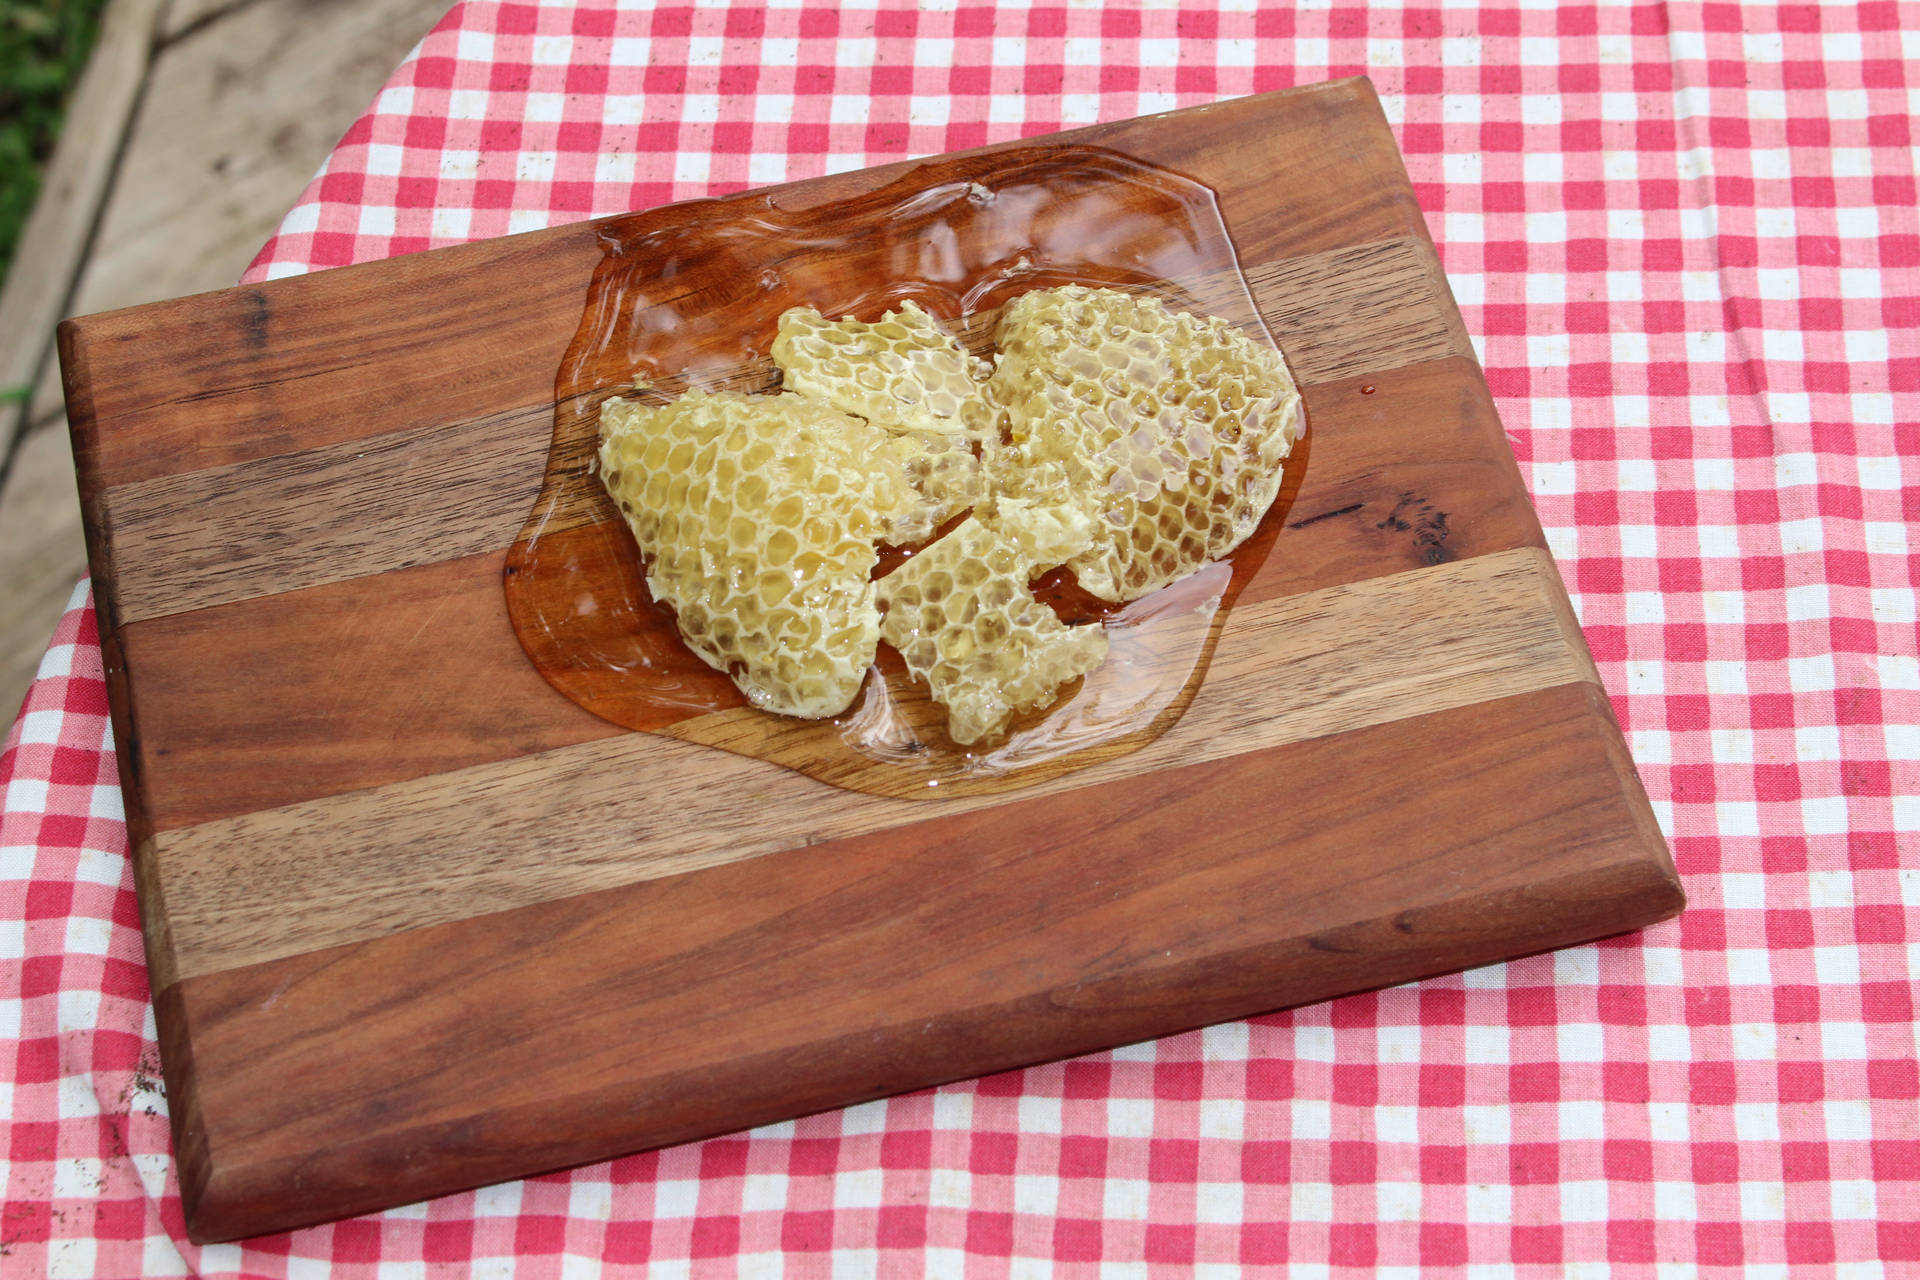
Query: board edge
x=1625 y=893
x=97 y=525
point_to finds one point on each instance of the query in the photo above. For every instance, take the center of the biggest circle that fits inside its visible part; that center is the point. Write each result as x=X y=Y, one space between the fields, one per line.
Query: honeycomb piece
x=902 y=371
x=1167 y=429
x=961 y=615
x=759 y=516
x=946 y=474
x=1044 y=535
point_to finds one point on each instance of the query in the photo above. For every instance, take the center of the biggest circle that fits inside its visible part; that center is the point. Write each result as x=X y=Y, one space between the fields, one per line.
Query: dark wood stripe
x=565 y=821
x=366 y=682
x=341 y=355
x=406 y=674
x=184 y=385
x=368 y=1075
x=373 y=504
x=316 y=516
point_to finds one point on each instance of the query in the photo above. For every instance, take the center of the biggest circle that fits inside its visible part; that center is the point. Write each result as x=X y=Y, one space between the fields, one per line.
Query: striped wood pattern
x=352 y=798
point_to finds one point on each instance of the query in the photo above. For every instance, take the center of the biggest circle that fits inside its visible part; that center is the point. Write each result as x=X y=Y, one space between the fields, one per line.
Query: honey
x=692 y=299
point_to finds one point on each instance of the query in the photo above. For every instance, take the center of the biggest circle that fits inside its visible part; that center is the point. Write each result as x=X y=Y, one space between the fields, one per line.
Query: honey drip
x=689 y=297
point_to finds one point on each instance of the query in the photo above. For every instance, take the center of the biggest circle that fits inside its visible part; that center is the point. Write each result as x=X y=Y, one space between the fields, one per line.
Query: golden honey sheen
x=902 y=371
x=961 y=615
x=1168 y=429
x=1128 y=441
x=759 y=517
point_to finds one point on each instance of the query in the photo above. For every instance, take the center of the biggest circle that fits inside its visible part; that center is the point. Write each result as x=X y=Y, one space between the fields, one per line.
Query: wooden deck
x=197 y=125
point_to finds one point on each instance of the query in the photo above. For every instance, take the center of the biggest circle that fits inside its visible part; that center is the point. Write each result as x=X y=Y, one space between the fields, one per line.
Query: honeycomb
x=1044 y=536
x=1167 y=429
x=901 y=371
x=945 y=473
x=1128 y=441
x=960 y=613
x=759 y=518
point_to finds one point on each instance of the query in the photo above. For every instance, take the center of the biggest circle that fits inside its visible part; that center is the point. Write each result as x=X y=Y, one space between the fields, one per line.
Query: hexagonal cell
x=1146 y=401
x=1131 y=442
x=797 y=635
x=902 y=371
x=987 y=649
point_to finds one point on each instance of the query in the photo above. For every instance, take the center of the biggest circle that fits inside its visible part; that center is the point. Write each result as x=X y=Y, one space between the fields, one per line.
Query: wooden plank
x=375 y=850
x=1366 y=308
x=328 y=514
x=572 y=820
x=242 y=103
x=373 y=504
x=184 y=17
x=75 y=182
x=807 y=979
x=345 y=675
x=44 y=557
x=353 y=685
x=272 y=354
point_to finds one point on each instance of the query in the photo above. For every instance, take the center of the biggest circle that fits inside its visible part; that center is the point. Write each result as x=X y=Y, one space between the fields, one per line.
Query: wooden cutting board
x=417 y=922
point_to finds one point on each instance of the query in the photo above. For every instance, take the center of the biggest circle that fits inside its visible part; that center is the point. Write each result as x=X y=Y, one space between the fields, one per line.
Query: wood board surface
x=412 y=916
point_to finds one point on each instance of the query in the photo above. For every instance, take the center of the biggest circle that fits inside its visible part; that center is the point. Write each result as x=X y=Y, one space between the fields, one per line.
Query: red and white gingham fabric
x=1685 y=236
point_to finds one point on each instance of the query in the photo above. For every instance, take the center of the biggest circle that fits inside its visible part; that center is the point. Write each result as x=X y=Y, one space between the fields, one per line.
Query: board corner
x=192 y=1154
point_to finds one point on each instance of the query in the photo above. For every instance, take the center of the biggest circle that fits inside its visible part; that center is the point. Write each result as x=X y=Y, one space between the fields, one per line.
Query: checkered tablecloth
x=1685 y=237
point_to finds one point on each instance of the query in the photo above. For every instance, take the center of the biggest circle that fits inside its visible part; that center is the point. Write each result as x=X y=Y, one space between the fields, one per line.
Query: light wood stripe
x=327 y=514
x=365 y=506
x=1387 y=309
x=616 y=811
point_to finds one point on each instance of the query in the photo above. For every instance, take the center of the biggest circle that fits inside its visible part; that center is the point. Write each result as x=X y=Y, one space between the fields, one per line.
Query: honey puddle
x=689 y=296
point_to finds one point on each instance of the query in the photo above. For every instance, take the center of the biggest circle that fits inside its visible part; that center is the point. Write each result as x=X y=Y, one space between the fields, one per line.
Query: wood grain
x=574 y=820
x=270 y=374
x=354 y=690
x=39 y=277
x=344 y=688
x=1148 y=914
x=424 y=494
x=416 y=921
x=327 y=514
x=272 y=354
x=241 y=102
x=1366 y=309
